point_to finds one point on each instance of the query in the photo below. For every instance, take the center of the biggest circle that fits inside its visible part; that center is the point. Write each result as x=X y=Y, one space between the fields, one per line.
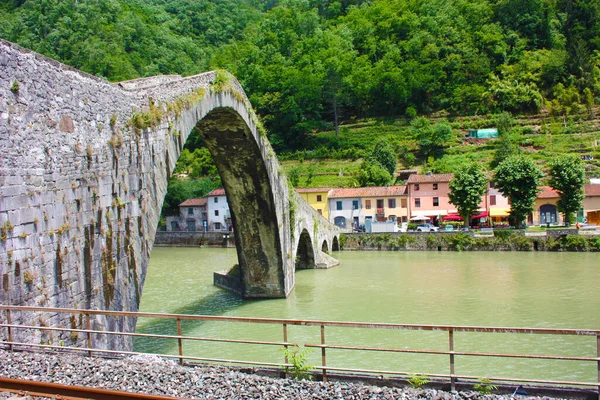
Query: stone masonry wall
x=84 y=167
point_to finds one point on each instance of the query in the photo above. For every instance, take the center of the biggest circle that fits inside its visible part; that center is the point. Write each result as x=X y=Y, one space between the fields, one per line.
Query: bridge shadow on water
x=219 y=303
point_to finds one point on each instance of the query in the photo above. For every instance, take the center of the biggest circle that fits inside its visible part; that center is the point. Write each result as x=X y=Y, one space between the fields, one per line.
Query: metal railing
x=325 y=347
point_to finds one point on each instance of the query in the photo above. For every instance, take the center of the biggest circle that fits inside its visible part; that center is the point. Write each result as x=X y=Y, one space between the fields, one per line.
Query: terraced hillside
x=335 y=162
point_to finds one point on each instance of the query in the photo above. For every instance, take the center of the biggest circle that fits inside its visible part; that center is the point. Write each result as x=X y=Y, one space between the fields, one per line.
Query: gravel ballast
x=154 y=375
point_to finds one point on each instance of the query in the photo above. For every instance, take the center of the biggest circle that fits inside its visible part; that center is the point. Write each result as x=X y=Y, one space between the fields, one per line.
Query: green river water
x=545 y=290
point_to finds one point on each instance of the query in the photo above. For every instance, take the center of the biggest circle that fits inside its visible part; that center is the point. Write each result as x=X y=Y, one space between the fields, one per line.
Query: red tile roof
x=312 y=190
x=592 y=189
x=376 y=191
x=433 y=178
x=547 y=193
x=193 y=203
x=216 y=192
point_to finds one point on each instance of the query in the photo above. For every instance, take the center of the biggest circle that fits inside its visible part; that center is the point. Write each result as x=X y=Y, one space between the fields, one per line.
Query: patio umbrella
x=420 y=218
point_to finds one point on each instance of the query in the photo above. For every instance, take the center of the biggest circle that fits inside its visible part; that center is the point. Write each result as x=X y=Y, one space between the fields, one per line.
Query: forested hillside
x=328 y=78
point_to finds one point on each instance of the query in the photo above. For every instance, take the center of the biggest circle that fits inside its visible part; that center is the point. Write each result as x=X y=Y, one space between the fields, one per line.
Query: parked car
x=427 y=228
x=448 y=228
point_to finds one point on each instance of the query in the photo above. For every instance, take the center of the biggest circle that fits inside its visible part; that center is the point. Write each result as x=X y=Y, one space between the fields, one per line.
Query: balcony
x=380 y=211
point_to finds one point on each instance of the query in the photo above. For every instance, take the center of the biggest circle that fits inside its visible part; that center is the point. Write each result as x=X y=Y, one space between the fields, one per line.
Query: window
x=216 y=199
x=368 y=204
x=416 y=187
x=320 y=211
x=403 y=203
x=392 y=203
x=379 y=203
x=319 y=197
x=417 y=202
x=436 y=201
x=355 y=204
x=217 y=226
x=339 y=222
x=492 y=200
x=338 y=205
x=216 y=213
x=435 y=186
x=190 y=211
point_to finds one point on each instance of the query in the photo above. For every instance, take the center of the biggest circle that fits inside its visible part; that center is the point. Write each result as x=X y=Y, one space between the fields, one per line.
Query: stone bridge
x=84 y=167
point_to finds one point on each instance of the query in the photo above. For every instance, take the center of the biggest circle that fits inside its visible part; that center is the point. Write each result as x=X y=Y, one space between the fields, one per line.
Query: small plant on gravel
x=485 y=386
x=417 y=381
x=299 y=369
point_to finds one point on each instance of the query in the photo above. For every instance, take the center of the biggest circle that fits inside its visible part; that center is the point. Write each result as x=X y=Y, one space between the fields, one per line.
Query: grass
x=539 y=136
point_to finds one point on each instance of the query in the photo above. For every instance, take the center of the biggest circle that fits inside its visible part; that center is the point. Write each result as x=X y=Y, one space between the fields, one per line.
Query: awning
x=499 y=212
x=482 y=214
x=453 y=217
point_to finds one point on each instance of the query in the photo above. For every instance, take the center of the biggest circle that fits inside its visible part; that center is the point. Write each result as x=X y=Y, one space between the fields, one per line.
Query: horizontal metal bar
x=458 y=328
x=458 y=353
x=151 y=335
x=121 y=352
x=471 y=377
x=74 y=392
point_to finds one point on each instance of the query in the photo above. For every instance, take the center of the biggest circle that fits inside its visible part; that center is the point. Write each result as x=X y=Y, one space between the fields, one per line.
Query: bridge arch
x=335 y=244
x=81 y=199
x=325 y=247
x=305 y=253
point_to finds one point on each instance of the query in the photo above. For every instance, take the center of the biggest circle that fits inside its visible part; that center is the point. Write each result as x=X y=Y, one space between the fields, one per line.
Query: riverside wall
x=563 y=240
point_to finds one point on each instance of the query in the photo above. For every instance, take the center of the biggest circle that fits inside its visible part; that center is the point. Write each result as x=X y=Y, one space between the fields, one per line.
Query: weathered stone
x=91 y=192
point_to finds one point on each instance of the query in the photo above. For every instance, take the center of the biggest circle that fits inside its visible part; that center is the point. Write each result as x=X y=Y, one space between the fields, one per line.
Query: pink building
x=428 y=195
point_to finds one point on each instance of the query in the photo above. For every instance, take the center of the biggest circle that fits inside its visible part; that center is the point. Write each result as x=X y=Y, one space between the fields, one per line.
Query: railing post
x=88 y=328
x=598 y=352
x=285 y=339
x=9 y=322
x=323 y=356
x=180 y=341
x=451 y=348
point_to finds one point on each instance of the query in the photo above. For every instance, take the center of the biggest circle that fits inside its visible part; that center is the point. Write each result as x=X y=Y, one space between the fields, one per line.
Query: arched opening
x=335 y=245
x=251 y=201
x=548 y=214
x=305 y=255
x=325 y=247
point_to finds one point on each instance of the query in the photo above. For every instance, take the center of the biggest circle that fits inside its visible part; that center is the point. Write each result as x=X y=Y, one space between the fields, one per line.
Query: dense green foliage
x=466 y=188
x=310 y=65
x=518 y=178
x=567 y=178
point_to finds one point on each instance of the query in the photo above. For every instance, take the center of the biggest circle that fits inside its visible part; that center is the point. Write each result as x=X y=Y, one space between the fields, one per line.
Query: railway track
x=64 y=392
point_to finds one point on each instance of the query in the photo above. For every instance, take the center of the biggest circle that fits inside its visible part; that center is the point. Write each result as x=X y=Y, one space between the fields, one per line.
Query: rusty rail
x=46 y=389
x=12 y=327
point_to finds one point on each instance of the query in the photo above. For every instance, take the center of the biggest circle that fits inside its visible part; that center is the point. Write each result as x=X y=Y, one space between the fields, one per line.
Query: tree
x=567 y=177
x=384 y=155
x=466 y=188
x=518 y=179
x=431 y=138
x=505 y=147
x=373 y=174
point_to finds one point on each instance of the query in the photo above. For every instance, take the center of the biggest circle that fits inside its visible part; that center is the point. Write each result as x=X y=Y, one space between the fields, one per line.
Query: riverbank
x=154 y=375
x=499 y=240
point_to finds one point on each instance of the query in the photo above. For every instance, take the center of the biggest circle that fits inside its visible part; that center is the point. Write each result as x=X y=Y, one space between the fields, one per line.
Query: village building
x=354 y=207
x=192 y=217
x=317 y=198
x=591 y=203
x=545 y=211
x=219 y=216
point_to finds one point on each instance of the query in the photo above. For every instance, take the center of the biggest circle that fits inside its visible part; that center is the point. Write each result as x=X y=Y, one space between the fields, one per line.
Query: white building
x=219 y=217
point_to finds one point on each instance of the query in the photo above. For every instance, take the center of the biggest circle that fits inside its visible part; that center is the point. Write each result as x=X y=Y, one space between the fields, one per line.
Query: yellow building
x=316 y=198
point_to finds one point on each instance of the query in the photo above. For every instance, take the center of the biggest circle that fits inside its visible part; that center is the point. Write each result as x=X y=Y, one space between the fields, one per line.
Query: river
x=529 y=289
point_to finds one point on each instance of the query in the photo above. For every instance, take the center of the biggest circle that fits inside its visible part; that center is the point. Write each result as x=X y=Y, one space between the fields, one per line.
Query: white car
x=427 y=228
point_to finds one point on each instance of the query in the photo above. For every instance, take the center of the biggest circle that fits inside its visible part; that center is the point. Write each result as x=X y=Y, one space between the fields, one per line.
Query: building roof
x=375 y=191
x=430 y=178
x=592 y=189
x=547 y=193
x=193 y=203
x=312 y=190
x=216 y=192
